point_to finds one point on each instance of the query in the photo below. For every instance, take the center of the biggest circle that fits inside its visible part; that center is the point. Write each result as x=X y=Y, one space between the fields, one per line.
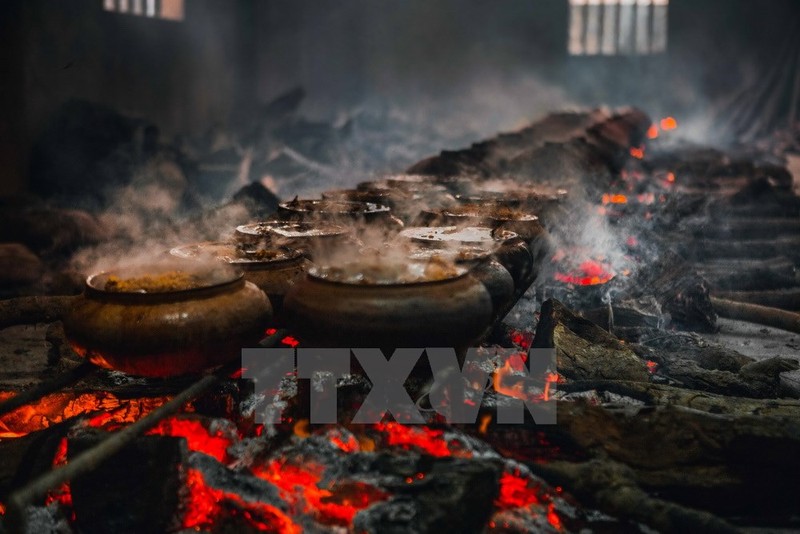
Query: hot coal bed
x=641 y=259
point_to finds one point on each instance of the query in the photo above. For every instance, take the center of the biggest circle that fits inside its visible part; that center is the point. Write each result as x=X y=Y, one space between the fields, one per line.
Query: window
x=617 y=27
x=162 y=9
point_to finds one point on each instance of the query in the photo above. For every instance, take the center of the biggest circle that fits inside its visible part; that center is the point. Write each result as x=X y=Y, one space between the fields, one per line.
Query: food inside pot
x=379 y=272
x=154 y=283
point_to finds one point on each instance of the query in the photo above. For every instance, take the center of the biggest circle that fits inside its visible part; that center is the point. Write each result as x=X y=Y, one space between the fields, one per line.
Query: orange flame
x=668 y=123
x=609 y=198
x=652 y=132
x=637 y=152
x=484 y=425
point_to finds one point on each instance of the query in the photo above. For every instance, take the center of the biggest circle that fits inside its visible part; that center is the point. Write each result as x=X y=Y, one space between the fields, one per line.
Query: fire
x=62 y=494
x=300 y=429
x=671 y=177
x=484 y=425
x=299 y=486
x=515 y=492
x=58 y=407
x=668 y=123
x=588 y=273
x=609 y=198
x=652 y=132
x=206 y=504
x=409 y=437
x=637 y=152
x=517 y=390
x=198 y=437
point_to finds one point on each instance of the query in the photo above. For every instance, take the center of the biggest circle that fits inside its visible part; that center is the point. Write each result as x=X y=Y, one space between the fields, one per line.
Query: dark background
x=497 y=62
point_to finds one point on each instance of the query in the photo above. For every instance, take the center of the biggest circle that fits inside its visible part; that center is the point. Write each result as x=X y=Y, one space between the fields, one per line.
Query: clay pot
x=170 y=332
x=505 y=246
x=450 y=312
x=311 y=238
x=273 y=271
x=340 y=211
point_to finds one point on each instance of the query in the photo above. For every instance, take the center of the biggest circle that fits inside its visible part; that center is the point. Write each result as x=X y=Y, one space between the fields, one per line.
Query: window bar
x=609 y=45
x=643 y=8
x=659 y=41
x=576 y=27
x=592 y=43
x=626 y=21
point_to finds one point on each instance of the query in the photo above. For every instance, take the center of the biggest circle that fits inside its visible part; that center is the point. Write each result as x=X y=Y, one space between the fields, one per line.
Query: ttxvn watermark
x=524 y=381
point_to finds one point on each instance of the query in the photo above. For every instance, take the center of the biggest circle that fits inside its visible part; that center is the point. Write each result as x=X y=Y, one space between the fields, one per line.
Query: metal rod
x=88 y=460
x=61 y=381
x=16 y=518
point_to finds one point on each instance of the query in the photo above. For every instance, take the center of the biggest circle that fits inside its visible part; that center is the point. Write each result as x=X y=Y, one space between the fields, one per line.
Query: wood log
x=694 y=458
x=31 y=310
x=785 y=299
x=754 y=313
x=583 y=349
x=612 y=487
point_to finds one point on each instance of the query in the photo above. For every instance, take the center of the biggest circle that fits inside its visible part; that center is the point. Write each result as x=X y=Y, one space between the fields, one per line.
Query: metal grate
x=161 y=9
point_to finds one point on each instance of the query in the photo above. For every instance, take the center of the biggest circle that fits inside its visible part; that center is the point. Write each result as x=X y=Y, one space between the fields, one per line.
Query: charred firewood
x=612 y=487
x=136 y=492
x=714 y=452
x=455 y=494
x=583 y=349
x=682 y=292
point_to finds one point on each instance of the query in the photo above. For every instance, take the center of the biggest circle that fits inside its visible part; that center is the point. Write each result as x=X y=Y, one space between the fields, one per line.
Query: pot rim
x=288 y=256
x=311 y=275
x=369 y=208
x=507 y=235
x=231 y=281
x=265 y=229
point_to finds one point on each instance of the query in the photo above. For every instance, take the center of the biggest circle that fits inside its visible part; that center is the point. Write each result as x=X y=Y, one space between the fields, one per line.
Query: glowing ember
x=651 y=366
x=588 y=273
x=609 y=198
x=348 y=444
x=671 y=177
x=290 y=341
x=62 y=494
x=58 y=407
x=637 y=152
x=515 y=492
x=652 y=132
x=409 y=437
x=521 y=339
x=205 y=505
x=299 y=486
x=668 y=123
x=198 y=437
